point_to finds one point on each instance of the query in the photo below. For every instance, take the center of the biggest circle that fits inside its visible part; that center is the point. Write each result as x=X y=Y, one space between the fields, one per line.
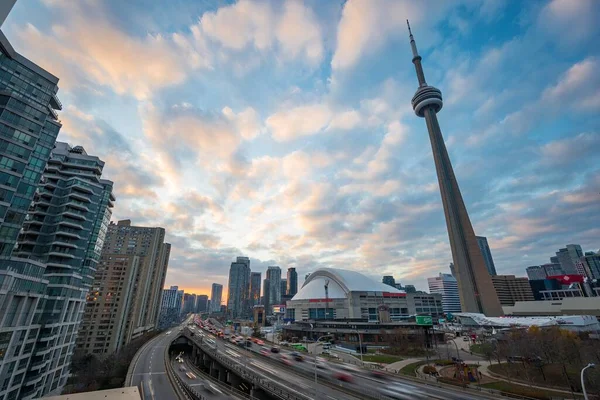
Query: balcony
x=64 y=244
x=38 y=365
x=79 y=196
x=70 y=224
x=55 y=102
x=60 y=254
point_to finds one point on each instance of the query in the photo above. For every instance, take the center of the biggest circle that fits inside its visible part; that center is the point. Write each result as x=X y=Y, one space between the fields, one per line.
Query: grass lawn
x=380 y=358
x=411 y=369
x=553 y=373
x=526 y=391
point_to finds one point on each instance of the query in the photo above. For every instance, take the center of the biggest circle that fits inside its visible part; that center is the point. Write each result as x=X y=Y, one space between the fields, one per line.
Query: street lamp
x=360 y=347
x=590 y=365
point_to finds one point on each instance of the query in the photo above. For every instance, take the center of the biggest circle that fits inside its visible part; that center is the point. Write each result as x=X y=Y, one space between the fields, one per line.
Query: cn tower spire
x=477 y=292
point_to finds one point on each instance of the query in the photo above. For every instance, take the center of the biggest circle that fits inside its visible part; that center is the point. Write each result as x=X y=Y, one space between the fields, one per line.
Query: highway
x=282 y=367
x=149 y=372
x=208 y=389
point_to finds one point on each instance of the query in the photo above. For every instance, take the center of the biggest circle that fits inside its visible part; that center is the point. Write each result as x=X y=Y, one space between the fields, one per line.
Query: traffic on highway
x=299 y=370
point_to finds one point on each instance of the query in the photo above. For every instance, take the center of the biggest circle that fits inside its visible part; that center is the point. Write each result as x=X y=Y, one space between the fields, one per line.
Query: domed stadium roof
x=341 y=282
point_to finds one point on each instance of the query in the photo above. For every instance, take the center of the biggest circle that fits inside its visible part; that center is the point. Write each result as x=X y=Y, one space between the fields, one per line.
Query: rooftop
x=127 y=393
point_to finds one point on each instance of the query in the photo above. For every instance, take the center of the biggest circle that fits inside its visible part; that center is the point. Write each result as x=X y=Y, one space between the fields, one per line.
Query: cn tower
x=477 y=293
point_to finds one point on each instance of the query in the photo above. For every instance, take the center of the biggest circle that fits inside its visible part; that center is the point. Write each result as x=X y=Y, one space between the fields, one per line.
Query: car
x=465 y=339
x=402 y=391
x=259 y=342
x=274 y=349
x=190 y=375
x=379 y=374
x=297 y=356
x=285 y=360
x=264 y=352
x=284 y=343
x=343 y=376
x=182 y=368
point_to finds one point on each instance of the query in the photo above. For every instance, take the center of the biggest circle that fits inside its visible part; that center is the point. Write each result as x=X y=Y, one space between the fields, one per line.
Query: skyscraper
x=239 y=288
x=170 y=307
x=452 y=270
x=267 y=296
x=274 y=277
x=487 y=254
x=446 y=285
x=477 y=293
x=216 y=293
x=149 y=244
x=292 y=282
x=255 y=288
x=389 y=280
x=283 y=289
x=5 y=7
x=591 y=264
x=201 y=303
x=568 y=257
x=543 y=271
x=113 y=291
x=65 y=229
x=189 y=303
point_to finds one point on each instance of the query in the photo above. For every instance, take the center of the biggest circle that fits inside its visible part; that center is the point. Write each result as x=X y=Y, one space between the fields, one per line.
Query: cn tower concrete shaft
x=477 y=292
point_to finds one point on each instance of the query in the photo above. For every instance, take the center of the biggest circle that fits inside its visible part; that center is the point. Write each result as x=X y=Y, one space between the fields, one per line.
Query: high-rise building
x=28 y=129
x=477 y=293
x=149 y=244
x=255 y=278
x=568 y=256
x=292 y=282
x=239 y=288
x=446 y=285
x=216 y=293
x=65 y=229
x=108 y=303
x=283 y=289
x=189 y=303
x=5 y=7
x=201 y=303
x=541 y=286
x=591 y=264
x=267 y=296
x=170 y=307
x=389 y=280
x=452 y=270
x=511 y=289
x=537 y=272
x=410 y=289
x=274 y=277
x=482 y=242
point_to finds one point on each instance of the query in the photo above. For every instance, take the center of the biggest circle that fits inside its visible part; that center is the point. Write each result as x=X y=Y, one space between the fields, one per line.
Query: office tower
x=410 y=289
x=201 y=303
x=539 y=286
x=107 y=306
x=149 y=244
x=65 y=229
x=267 y=296
x=239 y=288
x=511 y=289
x=292 y=282
x=487 y=254
x=216 y=293
x=283 y=289
x=536 y=272
x=255 y=288
x=274 y=277
x=5 y=7
x=446 y=285
x=389 y=280
x=568 y=256
x=477 y=293
x=170 y=307
x=554 y=260
x=591 y=264
x=189 y=304
x=452 y=270
x=28 y=130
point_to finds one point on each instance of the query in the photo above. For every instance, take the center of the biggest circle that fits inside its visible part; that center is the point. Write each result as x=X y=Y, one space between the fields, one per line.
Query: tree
x=256 y=332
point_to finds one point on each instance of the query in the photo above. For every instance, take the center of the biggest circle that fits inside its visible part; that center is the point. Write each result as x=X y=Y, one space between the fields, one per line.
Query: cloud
x=294 y=31
x=569 y=150
x=82 y=50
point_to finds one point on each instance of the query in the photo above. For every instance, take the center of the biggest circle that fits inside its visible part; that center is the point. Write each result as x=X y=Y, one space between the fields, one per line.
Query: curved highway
x=149 y=372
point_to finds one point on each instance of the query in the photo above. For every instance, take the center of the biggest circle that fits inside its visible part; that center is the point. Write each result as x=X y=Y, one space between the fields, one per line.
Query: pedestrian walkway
x=398 y=365
x=483 y=368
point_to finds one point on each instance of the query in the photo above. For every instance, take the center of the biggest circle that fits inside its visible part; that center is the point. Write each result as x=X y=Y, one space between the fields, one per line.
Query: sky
x=283 y=130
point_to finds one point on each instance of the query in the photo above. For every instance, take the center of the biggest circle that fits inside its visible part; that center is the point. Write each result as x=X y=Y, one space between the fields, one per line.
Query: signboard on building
x=279 y=309
x=424 y=320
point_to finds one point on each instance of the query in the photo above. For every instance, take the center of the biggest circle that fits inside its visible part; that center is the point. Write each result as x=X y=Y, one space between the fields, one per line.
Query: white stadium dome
x=341 y=283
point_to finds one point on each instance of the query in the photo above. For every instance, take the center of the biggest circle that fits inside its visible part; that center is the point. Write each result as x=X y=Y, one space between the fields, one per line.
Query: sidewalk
x=483 y=368
x=398 y=365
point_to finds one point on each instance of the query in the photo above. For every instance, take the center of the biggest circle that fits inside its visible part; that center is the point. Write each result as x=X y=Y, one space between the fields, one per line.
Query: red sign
x=388 y=294
x=567 y=279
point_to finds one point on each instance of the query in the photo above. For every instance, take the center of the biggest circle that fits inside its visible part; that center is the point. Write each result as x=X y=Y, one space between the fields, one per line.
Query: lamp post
x=455 y=345
x=360 y=347
x=590 y=365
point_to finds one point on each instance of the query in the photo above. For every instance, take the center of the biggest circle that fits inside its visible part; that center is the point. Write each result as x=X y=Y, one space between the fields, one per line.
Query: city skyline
x=520 y=139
